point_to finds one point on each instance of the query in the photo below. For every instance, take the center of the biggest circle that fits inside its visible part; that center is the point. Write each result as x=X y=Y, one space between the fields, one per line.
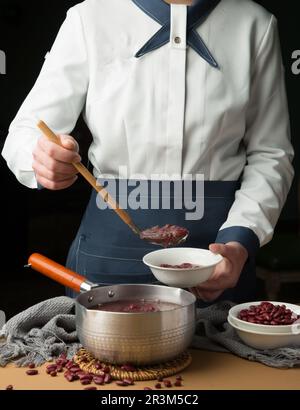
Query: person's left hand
x=227 y=272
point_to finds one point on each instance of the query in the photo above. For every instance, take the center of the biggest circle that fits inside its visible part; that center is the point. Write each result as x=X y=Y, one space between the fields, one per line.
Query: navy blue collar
x=159 y=11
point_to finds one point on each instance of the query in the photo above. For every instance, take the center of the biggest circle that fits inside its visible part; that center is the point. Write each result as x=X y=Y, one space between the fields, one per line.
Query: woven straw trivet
x=87 y=363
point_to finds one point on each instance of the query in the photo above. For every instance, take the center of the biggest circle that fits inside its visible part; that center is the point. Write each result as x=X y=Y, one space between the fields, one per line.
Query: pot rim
x=136 y=314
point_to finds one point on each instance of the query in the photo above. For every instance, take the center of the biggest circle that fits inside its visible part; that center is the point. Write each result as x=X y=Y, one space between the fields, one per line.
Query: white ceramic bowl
x=182 y=278
x=234 y=312
x=264 y=341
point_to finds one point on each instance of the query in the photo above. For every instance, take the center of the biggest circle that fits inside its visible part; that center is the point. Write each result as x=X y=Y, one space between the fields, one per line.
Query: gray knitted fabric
x=40 y=333
x=48 y=329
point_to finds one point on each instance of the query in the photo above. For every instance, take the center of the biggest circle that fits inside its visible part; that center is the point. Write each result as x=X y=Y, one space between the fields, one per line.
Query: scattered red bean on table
x=73 y=372
x=85 y=382
x=121 y=383
x=167 y=383
x=98 y=380
x=32 y=372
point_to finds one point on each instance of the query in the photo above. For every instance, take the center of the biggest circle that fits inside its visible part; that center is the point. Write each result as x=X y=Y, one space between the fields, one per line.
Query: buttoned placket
x=176 y=89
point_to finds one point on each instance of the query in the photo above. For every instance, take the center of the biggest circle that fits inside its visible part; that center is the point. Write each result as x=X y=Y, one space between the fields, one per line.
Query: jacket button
x=177 y=40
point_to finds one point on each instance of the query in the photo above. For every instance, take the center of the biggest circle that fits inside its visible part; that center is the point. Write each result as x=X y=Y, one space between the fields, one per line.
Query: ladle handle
x=92 y=181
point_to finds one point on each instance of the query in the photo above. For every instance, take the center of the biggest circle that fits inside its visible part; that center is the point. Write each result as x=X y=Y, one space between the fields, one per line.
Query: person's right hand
x=52 y=163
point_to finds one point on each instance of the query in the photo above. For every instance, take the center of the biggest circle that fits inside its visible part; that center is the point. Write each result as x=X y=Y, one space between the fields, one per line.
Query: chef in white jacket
x=166 y=89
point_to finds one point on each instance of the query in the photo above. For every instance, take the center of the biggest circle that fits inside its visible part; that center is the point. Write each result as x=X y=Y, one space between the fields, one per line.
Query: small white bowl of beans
x=182 y=267
x=270 y=317
x=266 y=325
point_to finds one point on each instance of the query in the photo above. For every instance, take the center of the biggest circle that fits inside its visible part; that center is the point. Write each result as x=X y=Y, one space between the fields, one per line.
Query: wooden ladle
x=159 y=236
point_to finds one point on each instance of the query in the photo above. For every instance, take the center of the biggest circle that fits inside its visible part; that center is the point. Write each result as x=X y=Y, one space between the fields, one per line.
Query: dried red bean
x=32 y=372
x=147 y=388
x=98 y=366
x=60 y=369
x=129 y=382
x=51 y=368
x=69 y=364
x=121 y=383
x=107 y=378
x=74 y=369
x=98 y=380
x=106 y=369
x=178 y=383
x=31 y=366
x=90 y=388
x=61 y=362
x=158 y=386
x=85 y=382
x=53 y=374
x=10 y=387
x=179 y=378
x=81 y=373
x=71 y=377
x=85 y=377
x=167 y=383
x=128 y=368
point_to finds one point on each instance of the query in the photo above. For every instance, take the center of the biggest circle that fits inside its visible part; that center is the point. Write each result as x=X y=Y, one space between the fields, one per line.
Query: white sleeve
x=57 y=98
x=268 y=173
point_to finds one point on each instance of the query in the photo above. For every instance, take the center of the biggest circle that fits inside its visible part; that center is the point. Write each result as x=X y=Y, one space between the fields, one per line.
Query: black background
x=47 y=221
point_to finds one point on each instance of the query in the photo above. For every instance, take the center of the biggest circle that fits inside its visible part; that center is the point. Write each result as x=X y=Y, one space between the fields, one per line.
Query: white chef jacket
x=169 y=112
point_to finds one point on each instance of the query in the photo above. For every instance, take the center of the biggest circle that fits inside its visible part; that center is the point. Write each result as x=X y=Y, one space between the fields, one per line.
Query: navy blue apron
x=107 y=252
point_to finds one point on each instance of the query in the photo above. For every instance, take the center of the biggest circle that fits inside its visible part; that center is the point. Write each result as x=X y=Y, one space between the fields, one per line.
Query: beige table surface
x=209 y=371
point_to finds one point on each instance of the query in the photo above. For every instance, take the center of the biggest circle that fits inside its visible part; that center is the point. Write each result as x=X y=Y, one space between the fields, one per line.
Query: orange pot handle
x=57 y=272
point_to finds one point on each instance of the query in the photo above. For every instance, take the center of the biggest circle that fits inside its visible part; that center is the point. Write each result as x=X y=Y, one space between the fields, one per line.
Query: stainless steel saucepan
x=137 y=338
